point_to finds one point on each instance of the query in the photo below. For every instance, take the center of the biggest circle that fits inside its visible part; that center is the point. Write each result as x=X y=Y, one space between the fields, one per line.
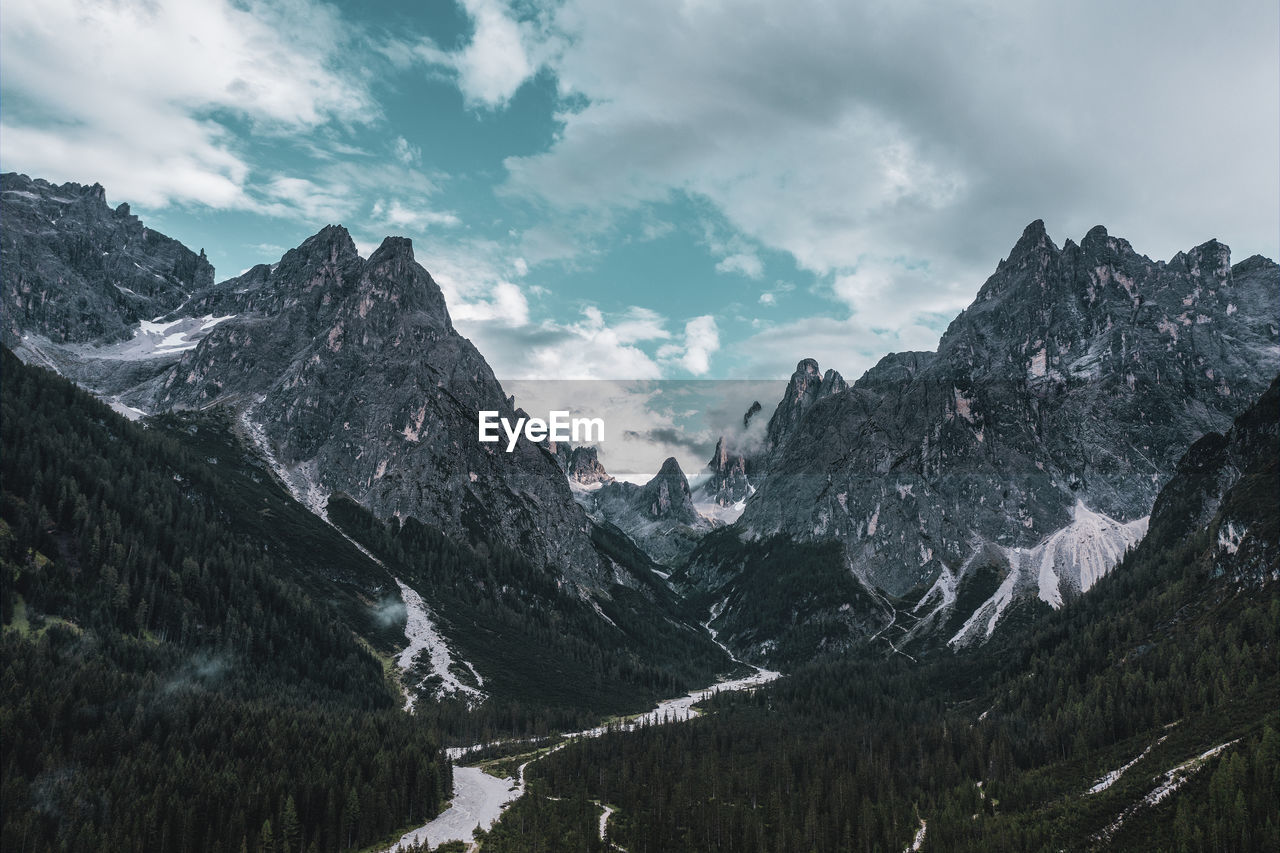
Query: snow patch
x=1114 y=776
x=1172 y=780
x=420 y=631
x=918 y=841
x=1083 y=551
x=1075 y=557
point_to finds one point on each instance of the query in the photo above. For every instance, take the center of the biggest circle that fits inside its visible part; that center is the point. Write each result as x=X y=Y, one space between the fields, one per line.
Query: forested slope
x=1014 y=747
x=167 y=683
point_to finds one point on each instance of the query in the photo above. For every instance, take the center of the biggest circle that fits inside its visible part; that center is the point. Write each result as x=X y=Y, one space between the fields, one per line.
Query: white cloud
x=768 y=299
x=398 y=214
x=123 y=93
x=848 y=345
x=701 y=340
x=748 y=264
x=406 y=152
x=506 y=306
x=896 y=150
x=492 y=66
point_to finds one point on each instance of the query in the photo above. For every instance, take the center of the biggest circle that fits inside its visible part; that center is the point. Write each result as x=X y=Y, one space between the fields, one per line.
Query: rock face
x=1229 y=486
x=350 y=372
x=728 y=483
x=659 y=516
x=667 y=495
x=583 y=467
x=806 y=387
x=78 y=271
x=1057 y=405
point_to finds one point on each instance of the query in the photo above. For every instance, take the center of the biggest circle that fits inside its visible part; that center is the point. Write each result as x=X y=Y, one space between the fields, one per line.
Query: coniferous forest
x=165 y=685
x=184 y=669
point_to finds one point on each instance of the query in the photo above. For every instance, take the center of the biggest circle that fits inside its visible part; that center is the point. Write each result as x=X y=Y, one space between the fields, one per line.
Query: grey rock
x=659 y=516
x=77 y=271
x=727 y=483
x=584 y=467
x=354 y=375
x=1079 y=376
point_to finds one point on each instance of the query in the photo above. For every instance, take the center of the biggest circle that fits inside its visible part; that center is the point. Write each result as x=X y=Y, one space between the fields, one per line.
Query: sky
x=662 y=189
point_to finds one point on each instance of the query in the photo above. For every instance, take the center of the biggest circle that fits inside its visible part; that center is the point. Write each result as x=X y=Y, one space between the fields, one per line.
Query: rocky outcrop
x=1228 y=485
x=667 y=495
x=659 y=516
x=727 y=483
x=1064 y=395
x=78 y=271
x=351 y=373
x=584 y=467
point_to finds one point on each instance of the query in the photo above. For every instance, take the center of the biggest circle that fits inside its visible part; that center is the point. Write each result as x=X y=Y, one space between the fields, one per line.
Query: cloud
x=140 y=96
x=847 y=345
x=701 y=339
x=493 y=64
x=406 y=152
x=506 y=306
x=894 y=150
x=744 y=263
x=398 y=214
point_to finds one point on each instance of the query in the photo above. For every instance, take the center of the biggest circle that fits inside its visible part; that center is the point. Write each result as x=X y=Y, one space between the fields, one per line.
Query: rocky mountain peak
x=832 y=383
x=1078 y=376
x=667 y=495
x=77 y=271
x=1034 y=240
x=395 y=254
x=351 y=374
x=802 y=392
x=728 y=483
x=584 y=466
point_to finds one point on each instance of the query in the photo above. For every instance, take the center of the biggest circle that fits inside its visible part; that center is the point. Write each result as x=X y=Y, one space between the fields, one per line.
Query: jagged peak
x=1253 y=262
x=832 y=383
x=670 y=467
x=393 y=248
x=1212 y=247
x=1034 y=238
x=1100 y=244
x=807 y=366
x=336 y=238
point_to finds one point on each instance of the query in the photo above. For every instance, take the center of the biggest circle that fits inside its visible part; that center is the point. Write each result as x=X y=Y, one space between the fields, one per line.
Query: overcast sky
x=663 y=188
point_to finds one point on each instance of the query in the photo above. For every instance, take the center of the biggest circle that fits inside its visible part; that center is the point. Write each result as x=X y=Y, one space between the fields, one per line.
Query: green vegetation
x=552 y=662
x=168 y=684
x=996 y=749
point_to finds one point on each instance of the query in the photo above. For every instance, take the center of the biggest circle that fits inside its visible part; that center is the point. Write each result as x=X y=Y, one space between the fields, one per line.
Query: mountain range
x=1091 y=421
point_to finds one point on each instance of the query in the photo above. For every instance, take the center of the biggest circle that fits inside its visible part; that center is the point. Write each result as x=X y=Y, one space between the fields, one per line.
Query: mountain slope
x=1138 y=717
x=78 y=271
x=358 y=382
x=344 y=378
x=169 y=626
x=1032 y=445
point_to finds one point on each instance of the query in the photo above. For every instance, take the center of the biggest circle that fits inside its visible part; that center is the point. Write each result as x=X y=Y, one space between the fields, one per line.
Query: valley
x=266 y=588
